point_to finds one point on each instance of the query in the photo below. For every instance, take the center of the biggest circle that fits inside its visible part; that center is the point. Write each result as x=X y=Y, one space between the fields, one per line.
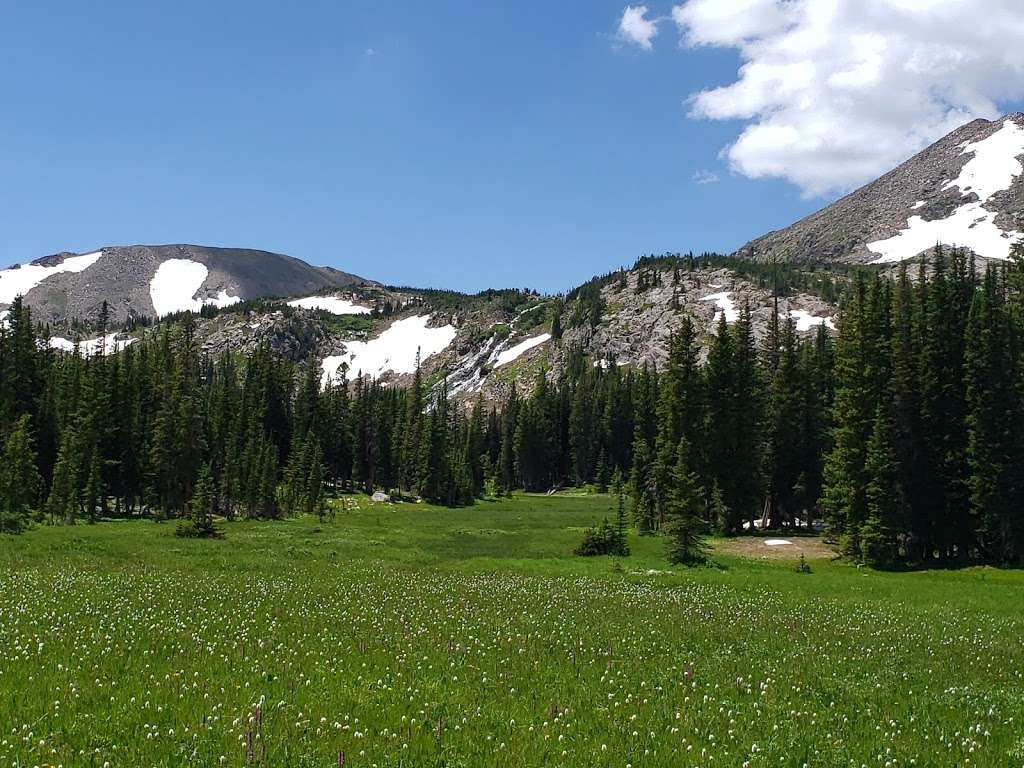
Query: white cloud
x=837 y=92
x=704 y=176
x=635 y=27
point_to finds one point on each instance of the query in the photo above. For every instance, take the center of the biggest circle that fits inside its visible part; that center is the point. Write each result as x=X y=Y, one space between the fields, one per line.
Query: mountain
x=156 y=280
x=967 y=190
x=343 y=325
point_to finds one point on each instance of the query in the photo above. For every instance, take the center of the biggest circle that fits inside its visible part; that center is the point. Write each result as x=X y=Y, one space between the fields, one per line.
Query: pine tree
x=93 y=492
x=684 y=528
x=201 y=507
x=718 y=512
x=19 y=479
x=885 y=498
x=507 y=460
x=621 y=526
x=782 y=459
x=992 y=404
x=642 y=488
x=860 y=353
x=314 y=501
x=62 y=502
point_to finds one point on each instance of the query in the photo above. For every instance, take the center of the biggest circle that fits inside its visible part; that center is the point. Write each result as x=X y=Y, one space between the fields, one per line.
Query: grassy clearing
x=412 y=636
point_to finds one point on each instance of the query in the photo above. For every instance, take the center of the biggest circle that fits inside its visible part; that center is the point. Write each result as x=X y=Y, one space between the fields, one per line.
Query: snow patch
x=508 y=355
x=333 y=304
x=992 y=169
x=222 y=300
x=18 y=281
x=805 y=320
x=175 y=284
x=725 y=305
x=394 y=350
x=3 y=318
x=90 y=347
x=776 y=542
x=468 y=377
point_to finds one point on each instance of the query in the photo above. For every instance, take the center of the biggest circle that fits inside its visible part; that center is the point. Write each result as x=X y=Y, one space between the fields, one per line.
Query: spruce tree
x=621 y=525
x=684 y=528
x=201 y=507
x=642 y=489
x=992 y=402
x=877 y=535
x=62 y=502
x=19 y=479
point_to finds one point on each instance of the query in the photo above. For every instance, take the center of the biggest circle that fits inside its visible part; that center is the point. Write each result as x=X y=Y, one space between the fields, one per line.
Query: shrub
x=603 y=540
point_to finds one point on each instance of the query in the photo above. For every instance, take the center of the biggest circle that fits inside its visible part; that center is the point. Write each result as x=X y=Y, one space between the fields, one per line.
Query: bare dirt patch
x=758 y=548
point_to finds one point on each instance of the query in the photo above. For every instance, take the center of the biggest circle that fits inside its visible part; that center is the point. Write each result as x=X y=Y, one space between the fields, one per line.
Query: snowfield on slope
x=469 y=377
x=20 y=280
x=90 y=347
x=724 y=304
x=175 y=284
x=333 y=304
x=992 y=169
x=394 y=350
x=805 y=320
x=506 y=356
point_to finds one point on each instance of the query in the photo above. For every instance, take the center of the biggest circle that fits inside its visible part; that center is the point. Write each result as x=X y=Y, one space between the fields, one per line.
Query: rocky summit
x=156 y=280
x=966 y=190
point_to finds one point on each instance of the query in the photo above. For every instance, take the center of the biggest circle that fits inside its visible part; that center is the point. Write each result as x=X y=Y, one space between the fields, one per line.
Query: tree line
x=904 y=432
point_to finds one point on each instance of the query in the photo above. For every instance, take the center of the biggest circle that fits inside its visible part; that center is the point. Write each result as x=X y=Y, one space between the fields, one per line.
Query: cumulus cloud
x=704 y=176
x=836 y=92
x=636 y=28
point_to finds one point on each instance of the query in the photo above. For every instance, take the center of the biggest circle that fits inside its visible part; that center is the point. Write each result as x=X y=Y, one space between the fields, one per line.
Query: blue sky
x=456 y=144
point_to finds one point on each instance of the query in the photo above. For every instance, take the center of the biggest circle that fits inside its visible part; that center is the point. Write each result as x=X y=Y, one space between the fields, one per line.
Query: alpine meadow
x=754 y=498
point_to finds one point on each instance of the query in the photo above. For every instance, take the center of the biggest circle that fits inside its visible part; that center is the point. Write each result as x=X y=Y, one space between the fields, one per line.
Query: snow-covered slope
x=805 y=321
x=154 y=280
x=333 y=304
x=965 y=190
x=506 y=356
x=993 y=166
x=108 y=344
x=725 y=305
x=20 y=280
x=394 y=351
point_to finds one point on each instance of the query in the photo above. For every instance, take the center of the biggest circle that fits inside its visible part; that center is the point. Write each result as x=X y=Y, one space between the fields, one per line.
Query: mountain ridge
x=68 y=285
x=885 y=220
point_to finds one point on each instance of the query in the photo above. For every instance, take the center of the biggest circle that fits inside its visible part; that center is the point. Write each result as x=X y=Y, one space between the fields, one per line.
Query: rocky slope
x=641 y=308
x=967 y=190
x=148 y=281
x=480 y=345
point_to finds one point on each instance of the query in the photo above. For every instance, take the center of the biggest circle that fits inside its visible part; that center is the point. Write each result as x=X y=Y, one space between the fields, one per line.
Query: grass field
x=413 y=636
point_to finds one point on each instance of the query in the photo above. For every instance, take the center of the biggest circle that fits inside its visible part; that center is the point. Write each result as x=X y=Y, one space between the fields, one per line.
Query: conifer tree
x=992 y=400
x=642 y=489
x=62 y=501
x=19 y=479
x=684 y=528
x=621 y=526
x=201 y=507
x=877 y=535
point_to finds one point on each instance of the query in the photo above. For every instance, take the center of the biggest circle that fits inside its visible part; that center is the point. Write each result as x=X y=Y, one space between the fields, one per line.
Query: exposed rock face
x=634 y=330
x=921 y=187
x=294 y=334
x=123 y=275
x=636 y=327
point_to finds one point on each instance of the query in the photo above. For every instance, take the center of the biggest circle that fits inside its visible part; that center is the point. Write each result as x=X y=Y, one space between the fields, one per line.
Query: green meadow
x=411 y=635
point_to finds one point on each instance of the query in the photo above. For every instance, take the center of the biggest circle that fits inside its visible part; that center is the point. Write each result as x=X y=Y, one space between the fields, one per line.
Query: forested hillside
x=904 y=434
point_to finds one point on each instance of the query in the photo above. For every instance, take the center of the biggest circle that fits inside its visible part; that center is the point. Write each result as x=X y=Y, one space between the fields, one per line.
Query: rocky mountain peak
x=967 y=190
